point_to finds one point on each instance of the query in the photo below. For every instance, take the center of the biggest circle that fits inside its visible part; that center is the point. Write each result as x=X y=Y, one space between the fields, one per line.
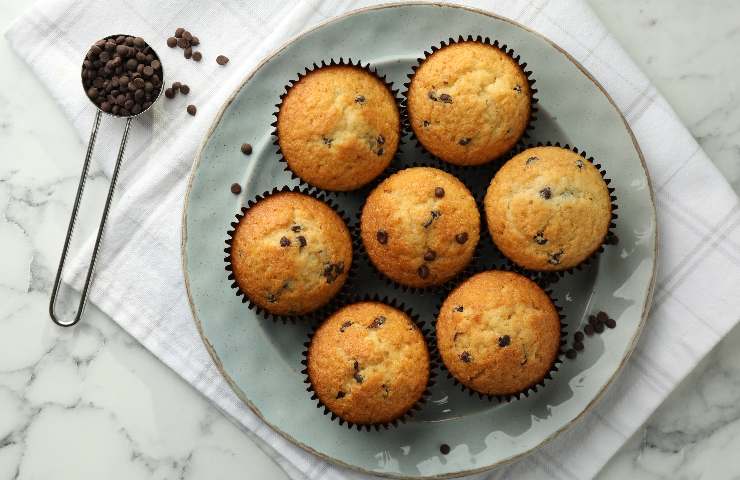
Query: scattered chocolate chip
x=602 y=317
x=571 y=354
x=340 y=394
x=588 y=330
x=461 y=237
x=380 y=140
x=222 y=60
x=518 y=88
x=504 y=341
x=386 y=390
x=531 y=160
x=236 y=189
x=445 y=98
x=430 y=255
x=184 y=89
x=195 y=41
x=578 y=346
x=546 y=193
x=187 y=35
x=358 y=378
x=176 y=86
x=382 y=237
x=540 y=238
x=296 y=228
x=179 y=31
x=444 y=449
x=284 y=242
x=610 y=322
x=327 y=140
x=439 y=192
x=432 y=96
x=271 y=297
x=247 y=150
x=434 y=214
x=301 y=241
x=183 y=43
x=172 y=42
x=466 y=357
x=191 y=110
x=599 y=328
x=579 y=164
x=197 y=56
x=423 y=271
x=356 y=366
x=380 y=152
x=345 y=326
x=464 y=141
x=360 y=99
x=458 y=308
x=332 y=271
x=377 y=322
x=426 y=123
x=554 y=258
x=578 y=337
x=188 y=53
x=592 y=320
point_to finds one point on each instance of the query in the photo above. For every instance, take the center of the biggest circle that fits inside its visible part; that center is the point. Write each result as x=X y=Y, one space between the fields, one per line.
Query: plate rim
x=209 y=346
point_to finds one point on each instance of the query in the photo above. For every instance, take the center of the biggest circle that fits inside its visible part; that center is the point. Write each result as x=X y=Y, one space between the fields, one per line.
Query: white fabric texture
x=139 y=281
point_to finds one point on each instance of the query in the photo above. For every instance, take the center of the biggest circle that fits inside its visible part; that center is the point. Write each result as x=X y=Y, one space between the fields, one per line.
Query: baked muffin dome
x=290 y=253
x=338 y=127
x=469 y=103
x=420 y=226
x=498 y=333
x=548 y=209
x=368 y=363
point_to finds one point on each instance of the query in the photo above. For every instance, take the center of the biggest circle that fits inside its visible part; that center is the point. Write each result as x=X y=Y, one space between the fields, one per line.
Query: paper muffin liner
x=433 y=365
x=431 y=289
x=332 y=62
x=533 y=388
x=337 y=299
x=548 y=277
x=493 y=164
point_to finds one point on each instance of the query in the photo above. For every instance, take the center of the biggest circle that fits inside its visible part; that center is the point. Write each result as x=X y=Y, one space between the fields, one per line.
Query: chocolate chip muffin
x=338 y=127
x=368 y=363
x=548 y=209
x=420 y=226
x=498 y=333
x=290 y=253
x=469 y=103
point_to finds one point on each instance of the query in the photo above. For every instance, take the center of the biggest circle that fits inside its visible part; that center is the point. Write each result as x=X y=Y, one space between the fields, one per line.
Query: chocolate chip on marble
x=222 y=60
x=554 y=258
x=340 y=394
x=179 y=31
x=546 y=193
x=445 y=98
x=430 y=255
x=284 y=242
x=236 y=189
x=423 y=271
x=197 y=56
x=184 y=89
x=247 y=150
x=464 y=141
x=192 y=110
x=183 y=43
x=195 y=41
x=377 y=322
x=504 y=341
x=172 y=42
x=382 y=237
x=540 y=239
x=461 y=237
x=466 y=357
x=360 y=99
x=345 y=326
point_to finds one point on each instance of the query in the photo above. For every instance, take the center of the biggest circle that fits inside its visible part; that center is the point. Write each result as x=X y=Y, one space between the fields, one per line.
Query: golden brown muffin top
x=548 y=209
x=498 y=333
x=368 y=363
x=420 y=226
x=338 y=127
x=291 y=253
x=468 y=103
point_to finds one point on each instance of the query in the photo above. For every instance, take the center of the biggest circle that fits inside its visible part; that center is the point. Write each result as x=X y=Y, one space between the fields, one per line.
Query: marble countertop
x=91 y=403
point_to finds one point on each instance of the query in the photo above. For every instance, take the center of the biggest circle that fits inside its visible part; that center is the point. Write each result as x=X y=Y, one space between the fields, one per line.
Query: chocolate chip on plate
x=236 y=189
x=184 y=89
x=191 y=110
x=197 y=56
x=222 y=60
x=247 y=150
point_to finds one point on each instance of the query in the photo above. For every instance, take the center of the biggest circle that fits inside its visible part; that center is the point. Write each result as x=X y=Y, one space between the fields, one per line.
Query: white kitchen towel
x=139 y=282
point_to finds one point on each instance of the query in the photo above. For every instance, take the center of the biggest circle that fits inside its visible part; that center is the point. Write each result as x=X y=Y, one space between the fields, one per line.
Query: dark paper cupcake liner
x=431 y=289
x=493 y=164
x=433 y=365
x=549 y=277
x=314 y=67
x=534 y=388
x=338 y=298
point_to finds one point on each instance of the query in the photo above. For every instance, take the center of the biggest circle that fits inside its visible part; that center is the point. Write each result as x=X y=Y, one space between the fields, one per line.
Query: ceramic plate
x=261 y=358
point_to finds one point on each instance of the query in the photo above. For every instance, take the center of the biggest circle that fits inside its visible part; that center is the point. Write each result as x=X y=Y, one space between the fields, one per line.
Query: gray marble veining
x=91 y=403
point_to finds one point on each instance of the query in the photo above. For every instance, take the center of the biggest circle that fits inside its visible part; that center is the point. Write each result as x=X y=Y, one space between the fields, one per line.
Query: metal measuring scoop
x=81 y=188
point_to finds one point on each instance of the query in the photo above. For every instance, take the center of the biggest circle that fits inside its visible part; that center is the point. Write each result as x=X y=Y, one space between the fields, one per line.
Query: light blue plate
x=261 y=359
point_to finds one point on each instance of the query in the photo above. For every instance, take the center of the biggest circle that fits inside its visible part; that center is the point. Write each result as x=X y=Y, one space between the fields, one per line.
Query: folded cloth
x=695 y=302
